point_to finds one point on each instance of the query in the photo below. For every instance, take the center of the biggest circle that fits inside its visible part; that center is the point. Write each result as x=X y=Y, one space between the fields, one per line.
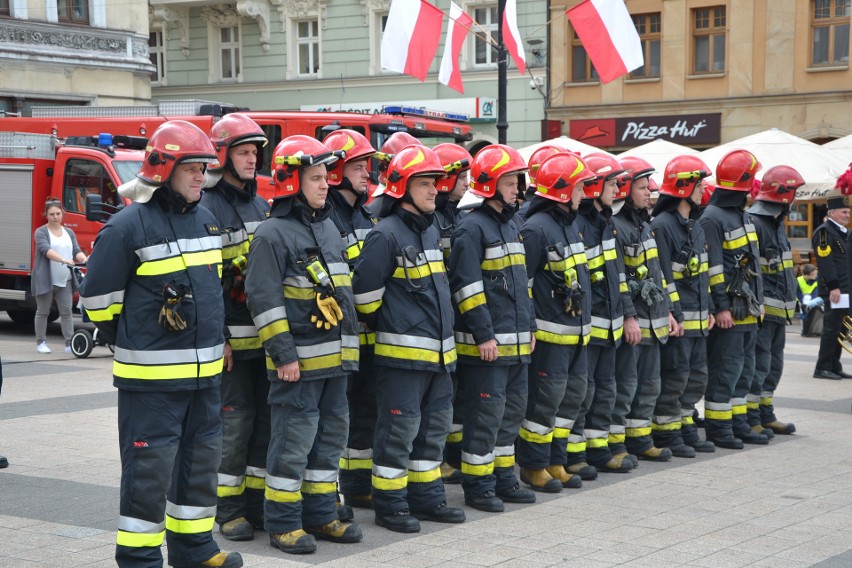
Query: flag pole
x=502 y=68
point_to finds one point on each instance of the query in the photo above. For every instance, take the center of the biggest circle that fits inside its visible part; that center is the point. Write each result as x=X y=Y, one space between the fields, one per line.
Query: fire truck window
x=83 y=177
x=273 y=134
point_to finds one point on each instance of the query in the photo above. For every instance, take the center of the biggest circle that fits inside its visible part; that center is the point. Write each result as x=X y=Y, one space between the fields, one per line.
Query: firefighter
x=153 y=291
x=310 y=333
x=239 y=141
x=493 y=325
x=638 y=366
x=402 y=293
x=608 y=285
x=558 y=377
x=534 y=163
x=394 y=143
x=349 y=182
x=770 y=209
x=737 y=291
x=684 y=260
x=456 y=162
x=830 y=242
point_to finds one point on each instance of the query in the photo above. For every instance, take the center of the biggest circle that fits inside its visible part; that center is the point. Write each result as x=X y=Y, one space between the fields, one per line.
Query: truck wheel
x=22 y=317
x=82 y=343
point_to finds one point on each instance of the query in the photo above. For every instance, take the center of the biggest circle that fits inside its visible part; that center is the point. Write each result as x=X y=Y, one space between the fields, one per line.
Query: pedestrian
x=56 y=250
x=768 y=213
x=830 y=242
x=233 y=200
x=810 y=302
x=309 y=330
x=494 y=321
x=402 y=293
x=153 y=290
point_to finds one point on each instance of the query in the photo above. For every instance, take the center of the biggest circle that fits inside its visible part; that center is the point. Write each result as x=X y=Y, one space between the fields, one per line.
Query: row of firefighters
x=458 y=325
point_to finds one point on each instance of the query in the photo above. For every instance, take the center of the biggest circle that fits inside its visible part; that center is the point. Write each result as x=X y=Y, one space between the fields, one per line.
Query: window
x=830 y=31
x=649 y=28
x=229 y=53
x=4 y=8
x=582 y=70
x=307 y=47
x=83 y=177
x=485 y=54
x=157 y=53
x=708 y=40
x=273 y=134
x=378 y=22
x=75 y=11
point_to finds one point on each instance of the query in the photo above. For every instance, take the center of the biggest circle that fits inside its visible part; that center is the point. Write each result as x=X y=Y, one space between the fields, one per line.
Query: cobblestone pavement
x=786 y=505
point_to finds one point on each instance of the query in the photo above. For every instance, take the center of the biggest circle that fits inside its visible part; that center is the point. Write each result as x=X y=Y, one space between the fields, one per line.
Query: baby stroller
x=83 y=341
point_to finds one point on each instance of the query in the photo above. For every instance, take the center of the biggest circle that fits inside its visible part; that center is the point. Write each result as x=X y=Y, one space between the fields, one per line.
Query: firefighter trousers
x=453 y=446
x=557 y=380
x=595 y=422
x=739 y=400
x=683 y=380
x=356 y=463
x=171 y=444
x=494 y=404
x=415 y=409
x=310 y=421
x=245 y=440
x=829 y=349
x=634 y=408
x=728 y=350
x=768 y=367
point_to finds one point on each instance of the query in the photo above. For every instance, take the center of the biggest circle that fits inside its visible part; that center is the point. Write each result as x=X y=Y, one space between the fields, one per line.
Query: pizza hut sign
x=689 y=130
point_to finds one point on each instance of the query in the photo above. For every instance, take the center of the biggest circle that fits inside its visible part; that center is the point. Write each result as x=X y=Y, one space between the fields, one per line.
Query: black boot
x=441 y=514
x=743 y=431
x=400 y=521
x=721 y=433
x=689 y=433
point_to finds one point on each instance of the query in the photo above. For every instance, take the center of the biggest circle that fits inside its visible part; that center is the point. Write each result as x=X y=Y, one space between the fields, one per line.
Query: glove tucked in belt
x=171 y=317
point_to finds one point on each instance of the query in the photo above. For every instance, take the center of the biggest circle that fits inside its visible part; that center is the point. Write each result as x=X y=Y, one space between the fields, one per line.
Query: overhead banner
x=685 y=129
x=477 y=109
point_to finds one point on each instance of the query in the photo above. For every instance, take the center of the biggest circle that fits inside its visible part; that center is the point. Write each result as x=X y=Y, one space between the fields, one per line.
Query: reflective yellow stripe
x=752 y=405
x=717 y=279
x=425 y=476
x=245 y=343
x=534 y=438
x=472 y=302
x=615 y=438
x=671 y=426
x=230 y=491
x=411 y=353
x=746 y=320
x=167 y=372
x=355 y=464
x=297 y=293
x=638 y=432
x=282 y=496
x=716 y=415
x=479 y=470
x=559 y=339
x=139 y=540
x=504 y=461
x=503 y=262
x=312 y=488
x=736 y=243
x=178 y=263
x=368 y=308
x=255 y=482
x=766 y=401
x=232 y=251
x=190 y=526
x=502 y=350
x=739 y=410
x=597 y=442
x=391 y=484
x=105 y=314
x=455 y=437
x=561 y=432
x=273 y=329
x=421 y=271
x=576 y=447
x=688 y=420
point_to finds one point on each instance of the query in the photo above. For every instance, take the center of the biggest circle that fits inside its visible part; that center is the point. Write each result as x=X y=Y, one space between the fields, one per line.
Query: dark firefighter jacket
x=776 y=263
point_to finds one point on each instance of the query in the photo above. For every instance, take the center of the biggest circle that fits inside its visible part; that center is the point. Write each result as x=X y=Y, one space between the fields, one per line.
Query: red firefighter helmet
x=490 y=164
x=455 y=160
x=604 y=167
x=539 y=156
x=411 y=161
x=779 y=185
x=634 y=168
x=681 y=175
x=175 y=142
x=354 y=144
x=294 y=154
x=558 y=174
x=736 y=170
x=233 y=130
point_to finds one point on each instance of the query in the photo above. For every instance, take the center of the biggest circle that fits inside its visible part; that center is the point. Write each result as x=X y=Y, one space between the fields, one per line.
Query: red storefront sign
x=687 y=129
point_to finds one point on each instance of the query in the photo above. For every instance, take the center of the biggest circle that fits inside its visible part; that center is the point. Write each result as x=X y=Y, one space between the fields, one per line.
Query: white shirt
x=842 y=228
x=59 y=273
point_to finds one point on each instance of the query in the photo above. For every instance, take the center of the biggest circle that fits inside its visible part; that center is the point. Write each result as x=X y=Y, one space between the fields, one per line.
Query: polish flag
x=457 y=27
x=606 y=30
x=411 y=37
x=512 y=37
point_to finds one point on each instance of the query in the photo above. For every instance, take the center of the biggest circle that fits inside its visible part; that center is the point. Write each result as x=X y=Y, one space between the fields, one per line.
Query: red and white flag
x=607 y=32
x=457 y=27
x=512 y=37
x=411 y=37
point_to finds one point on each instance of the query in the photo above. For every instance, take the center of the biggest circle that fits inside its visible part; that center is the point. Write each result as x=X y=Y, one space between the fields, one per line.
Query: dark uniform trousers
x=683 y=381
x=739 y=400
x=174 y=459
x=453 y=447
x=246 y=429
x=768 y=367
x=595 y=414
x=829 y=349
x=356 y=463
x=310 y=421
x=579 y=383
x=638 y=387
x=492 y=418
x=732 y=353
x=410 y=436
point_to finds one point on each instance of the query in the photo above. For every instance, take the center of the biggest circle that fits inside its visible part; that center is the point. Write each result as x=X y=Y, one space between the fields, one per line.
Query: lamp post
x=502 y=66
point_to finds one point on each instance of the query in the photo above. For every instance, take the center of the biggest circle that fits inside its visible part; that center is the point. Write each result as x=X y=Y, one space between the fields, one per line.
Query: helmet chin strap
x=229 y=167
x=406 y=198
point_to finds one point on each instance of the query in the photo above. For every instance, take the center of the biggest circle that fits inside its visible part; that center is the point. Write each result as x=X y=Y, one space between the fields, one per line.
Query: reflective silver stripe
x=704 y=257
x=408 y=341
x=423 y=465
x=653 y=324
x=352 y=341
x=474 y=459
x=715 y=406
x=576 y=438
x=618 y=322
x=530 y=282
x=735 y=234
x=321 y=475
x=252 y=226
x=672 y=287
x=134 y=525
x=636 y=423
x=448 y=344
x=667 y=419
x=677 y=267
x=252 y=471
x=563 y=423
x=176 y=248
x=555 y=256
x=752 y=398
x=269 y=316
x=773 y=303
x=188 y=512
x=593 y=252
x=226 y=480
x=515 y=248
x=389 y=472
x=361 y=233
x=455 y=428
x=787 y=255
x=716 y=269
x=338 y=268
x=369 y=297
x=468 y=291
x=535 y=428
x=283 y=483
x=608 y=244
x=616 y=429
x=352 y=454
x=309 y=351
x=601 y=323
x=684 y=412
x=622 y=277
x=503 y=451
x=298 y=282
x=173 y=357
x=242 y=331
x=595 y=434
x=577 y=248
x=738 y=401
x=767 y=394
x=234 y=238
x=465 y=338
x=492 y=253
x=434 y=255
x=559 y=329
x=103 y=301
x=695 y=315
x=649 y=244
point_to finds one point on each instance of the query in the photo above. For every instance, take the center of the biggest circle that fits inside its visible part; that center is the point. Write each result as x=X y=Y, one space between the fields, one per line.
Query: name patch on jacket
x=213 y=229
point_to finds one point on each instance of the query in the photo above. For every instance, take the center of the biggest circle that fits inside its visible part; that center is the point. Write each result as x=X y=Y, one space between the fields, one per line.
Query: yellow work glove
x=329 y=308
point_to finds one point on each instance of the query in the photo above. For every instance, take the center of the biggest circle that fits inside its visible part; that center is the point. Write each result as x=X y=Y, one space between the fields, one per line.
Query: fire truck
x=62 y=121
x=76 y=171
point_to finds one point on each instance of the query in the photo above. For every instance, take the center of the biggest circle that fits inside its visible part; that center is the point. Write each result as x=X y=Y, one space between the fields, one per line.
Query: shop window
x=830 y=32
x=708 y=40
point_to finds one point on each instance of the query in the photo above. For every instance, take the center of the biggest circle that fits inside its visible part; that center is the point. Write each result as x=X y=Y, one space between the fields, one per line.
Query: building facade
x=60 y=52
x=325 y=55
